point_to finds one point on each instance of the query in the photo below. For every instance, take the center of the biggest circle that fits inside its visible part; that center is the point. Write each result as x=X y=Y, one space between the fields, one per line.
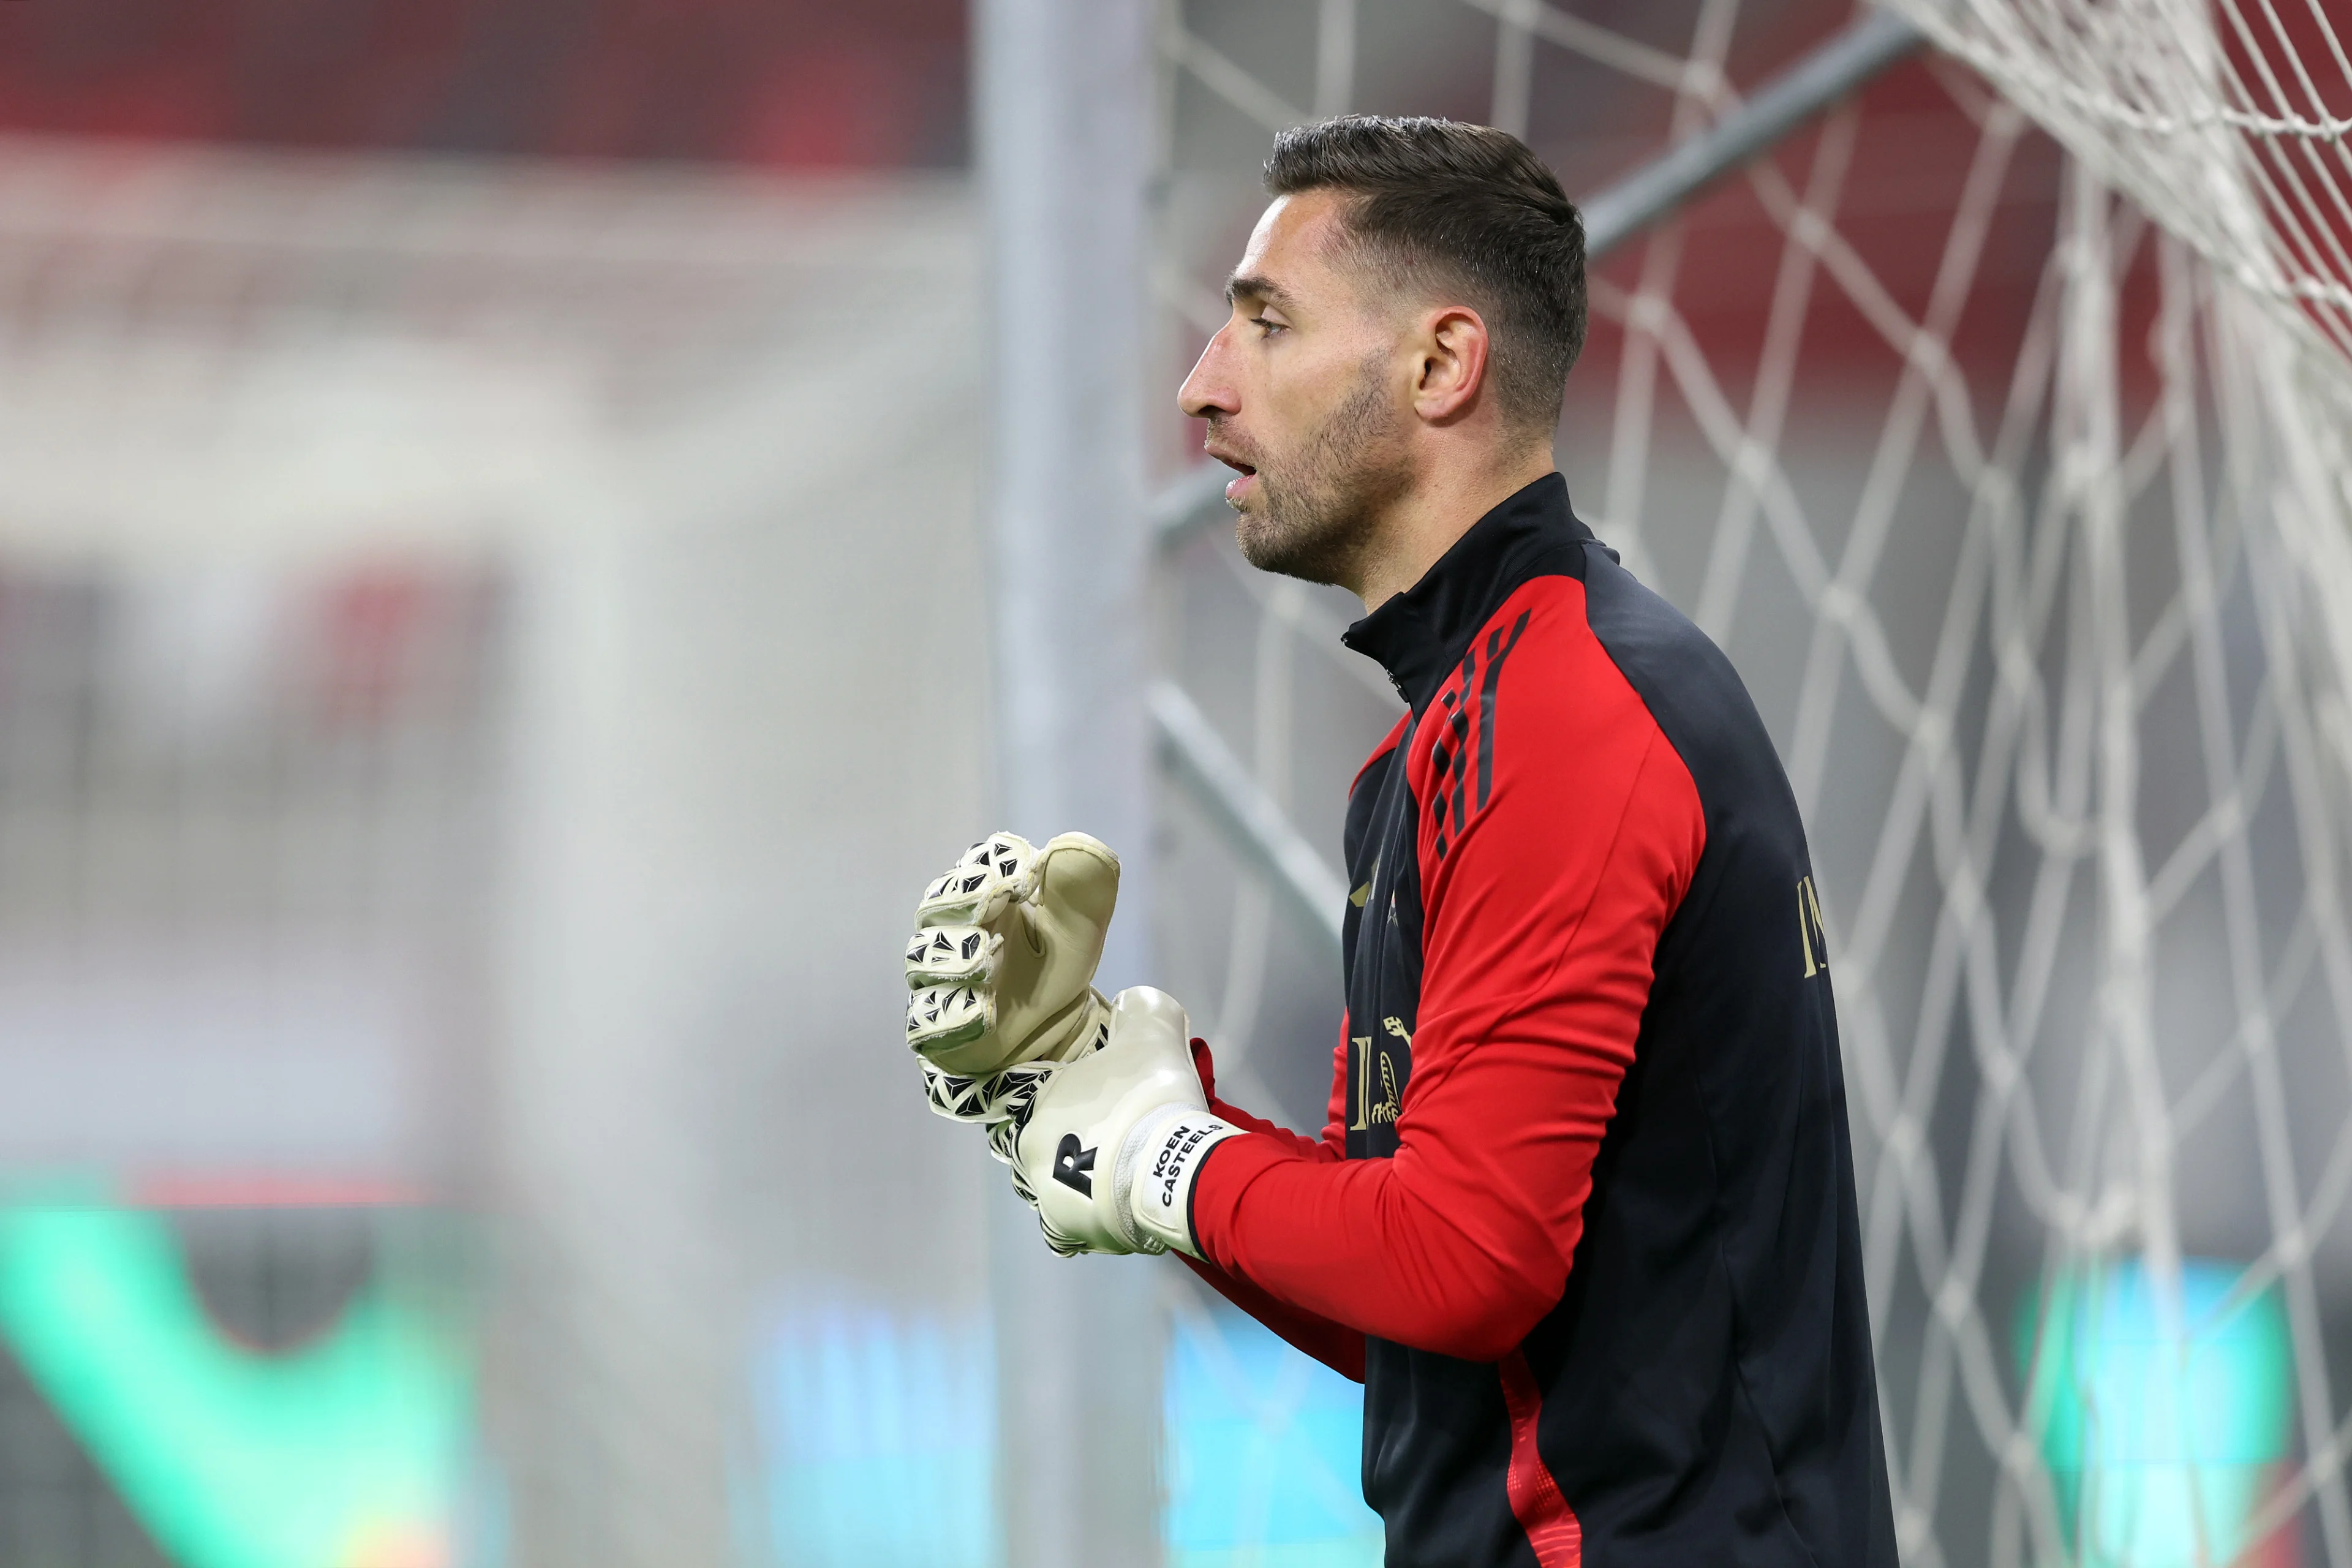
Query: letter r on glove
x=1072 y=1165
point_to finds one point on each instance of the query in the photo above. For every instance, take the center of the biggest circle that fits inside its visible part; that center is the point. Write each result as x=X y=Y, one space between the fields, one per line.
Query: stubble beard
x=1312 y=518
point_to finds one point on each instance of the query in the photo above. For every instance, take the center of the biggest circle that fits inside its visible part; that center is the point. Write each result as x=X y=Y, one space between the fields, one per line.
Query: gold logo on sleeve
x=1371 y=1112
x=1363 y=1046
x=1812 y=935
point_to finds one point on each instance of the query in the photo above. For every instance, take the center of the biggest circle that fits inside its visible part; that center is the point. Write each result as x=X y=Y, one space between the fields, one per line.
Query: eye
x=1266 y=327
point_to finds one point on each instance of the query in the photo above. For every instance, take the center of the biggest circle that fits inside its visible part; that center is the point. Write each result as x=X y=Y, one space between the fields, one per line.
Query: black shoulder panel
x=1732 y=1121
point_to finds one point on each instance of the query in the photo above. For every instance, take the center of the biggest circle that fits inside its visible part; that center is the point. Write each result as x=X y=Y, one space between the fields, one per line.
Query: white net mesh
x=2226 y=123
x=2025 y=519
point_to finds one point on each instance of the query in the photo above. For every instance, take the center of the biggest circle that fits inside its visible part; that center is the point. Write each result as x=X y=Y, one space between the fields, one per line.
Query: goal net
x=1995 y=422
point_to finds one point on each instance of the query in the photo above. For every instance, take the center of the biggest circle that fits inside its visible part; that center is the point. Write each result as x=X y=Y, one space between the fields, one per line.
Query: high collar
x=1418 y=635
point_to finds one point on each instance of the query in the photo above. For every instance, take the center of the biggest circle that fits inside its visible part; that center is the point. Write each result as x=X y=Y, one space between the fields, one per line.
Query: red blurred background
x=774 y=83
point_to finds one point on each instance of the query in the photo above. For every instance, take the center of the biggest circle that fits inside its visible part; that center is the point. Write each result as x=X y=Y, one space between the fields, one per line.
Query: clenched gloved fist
x=1001 y=969
x=1107 y=1147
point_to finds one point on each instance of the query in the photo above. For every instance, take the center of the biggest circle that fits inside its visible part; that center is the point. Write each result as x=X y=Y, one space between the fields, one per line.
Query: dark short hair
x=1440 y=204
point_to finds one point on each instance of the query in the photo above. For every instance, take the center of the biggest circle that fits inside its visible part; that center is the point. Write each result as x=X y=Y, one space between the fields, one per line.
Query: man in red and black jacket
x=1583 y=1217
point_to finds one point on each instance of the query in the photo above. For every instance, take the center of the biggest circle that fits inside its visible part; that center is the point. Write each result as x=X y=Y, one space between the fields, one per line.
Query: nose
x=1209 y=390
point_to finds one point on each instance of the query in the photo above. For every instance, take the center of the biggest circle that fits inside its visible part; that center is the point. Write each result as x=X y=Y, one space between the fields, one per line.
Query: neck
x=1421 y=523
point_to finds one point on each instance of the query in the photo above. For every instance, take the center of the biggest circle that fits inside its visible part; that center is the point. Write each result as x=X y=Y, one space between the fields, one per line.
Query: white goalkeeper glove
x=1002 y=968
x=1107 y=1147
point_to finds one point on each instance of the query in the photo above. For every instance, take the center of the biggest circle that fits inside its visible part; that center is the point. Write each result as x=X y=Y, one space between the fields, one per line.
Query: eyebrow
x=1258 y=287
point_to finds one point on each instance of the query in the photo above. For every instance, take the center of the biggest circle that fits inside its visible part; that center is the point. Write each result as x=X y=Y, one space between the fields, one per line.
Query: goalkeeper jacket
x=1582 y=1218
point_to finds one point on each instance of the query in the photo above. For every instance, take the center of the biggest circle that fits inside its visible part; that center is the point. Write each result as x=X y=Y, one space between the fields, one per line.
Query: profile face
x=1305 y=392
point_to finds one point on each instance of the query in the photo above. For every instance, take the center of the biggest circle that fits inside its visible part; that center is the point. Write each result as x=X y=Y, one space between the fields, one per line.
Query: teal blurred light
x=877 y=1431
x=344 y=1452
x=2161 y=1446
x=1265 y=1453
x=878 y=1427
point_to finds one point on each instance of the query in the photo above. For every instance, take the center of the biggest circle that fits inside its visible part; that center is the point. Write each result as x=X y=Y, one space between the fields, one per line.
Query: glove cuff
x=1157 y=1166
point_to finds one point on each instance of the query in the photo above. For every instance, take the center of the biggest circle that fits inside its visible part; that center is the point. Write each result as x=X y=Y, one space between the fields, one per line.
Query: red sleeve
x=1540 y=927
x=1335 y=1345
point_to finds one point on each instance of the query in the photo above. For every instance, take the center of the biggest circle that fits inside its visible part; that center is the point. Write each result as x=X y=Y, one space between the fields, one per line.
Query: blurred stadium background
x=528 y=528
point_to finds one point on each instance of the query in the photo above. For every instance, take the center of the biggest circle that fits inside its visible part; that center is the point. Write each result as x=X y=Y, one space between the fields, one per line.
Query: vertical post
x=1065 y=92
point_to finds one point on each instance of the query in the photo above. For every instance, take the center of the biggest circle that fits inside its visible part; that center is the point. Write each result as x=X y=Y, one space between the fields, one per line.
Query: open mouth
x=1245 y=474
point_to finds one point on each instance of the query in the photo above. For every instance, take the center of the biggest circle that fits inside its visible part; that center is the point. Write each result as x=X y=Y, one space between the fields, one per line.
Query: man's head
x=1413 y=297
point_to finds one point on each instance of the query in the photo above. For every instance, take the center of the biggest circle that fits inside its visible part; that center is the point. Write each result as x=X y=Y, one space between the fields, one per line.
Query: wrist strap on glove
x=1159 y=1164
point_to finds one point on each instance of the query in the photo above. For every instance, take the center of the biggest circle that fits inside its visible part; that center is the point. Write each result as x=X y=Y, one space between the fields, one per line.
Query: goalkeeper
x=1581 y=1218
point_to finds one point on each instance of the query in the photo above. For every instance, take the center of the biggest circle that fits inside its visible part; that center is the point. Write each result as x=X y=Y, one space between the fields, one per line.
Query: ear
x=1451 y=364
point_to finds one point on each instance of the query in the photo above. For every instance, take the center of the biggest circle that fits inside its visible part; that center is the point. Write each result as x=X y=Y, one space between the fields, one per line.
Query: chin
x=1260 y=548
